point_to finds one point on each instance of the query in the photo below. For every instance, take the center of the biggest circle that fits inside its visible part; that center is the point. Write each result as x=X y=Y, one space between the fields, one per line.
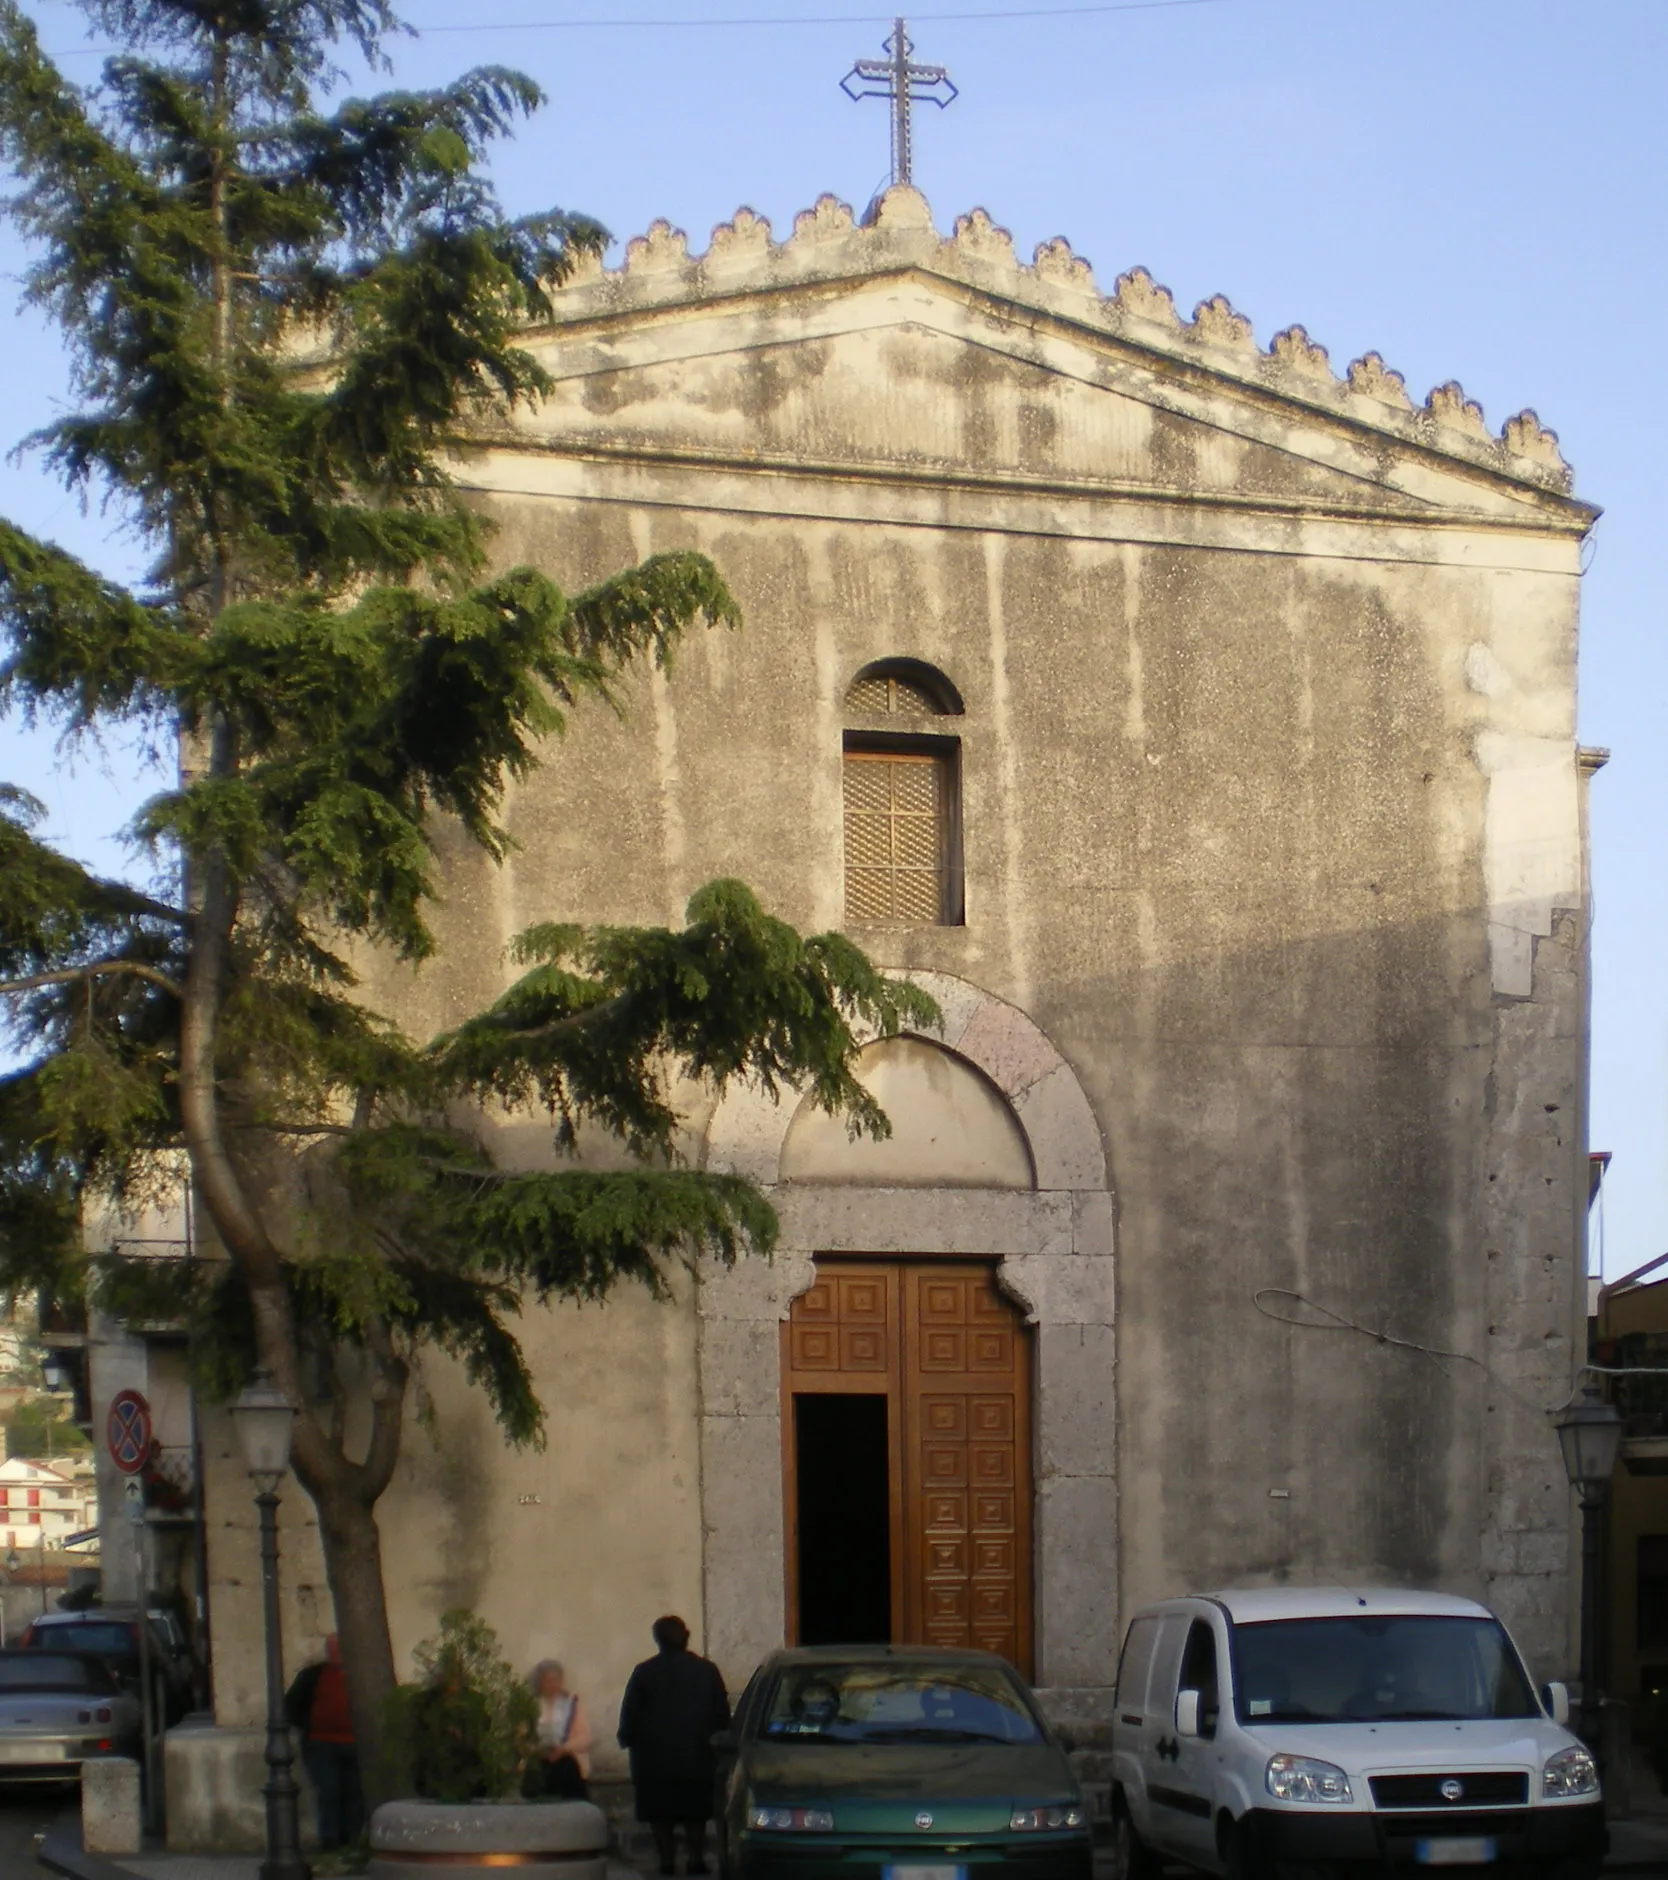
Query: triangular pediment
x=887 y=352
x=897 y=375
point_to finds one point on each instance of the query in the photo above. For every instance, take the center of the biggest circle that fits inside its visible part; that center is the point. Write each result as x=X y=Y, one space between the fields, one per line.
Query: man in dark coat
x=673 y=1704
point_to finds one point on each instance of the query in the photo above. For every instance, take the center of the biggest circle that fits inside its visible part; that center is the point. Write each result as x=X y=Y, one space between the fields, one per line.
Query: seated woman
x=559 y=1771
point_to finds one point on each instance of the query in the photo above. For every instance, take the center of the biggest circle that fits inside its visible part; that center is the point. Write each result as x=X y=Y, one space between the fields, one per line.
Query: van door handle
x=1167 y=1746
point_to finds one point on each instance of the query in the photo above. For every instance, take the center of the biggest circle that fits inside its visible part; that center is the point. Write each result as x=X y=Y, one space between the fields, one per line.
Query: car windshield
x=109 y=1639
x=1378 y=1669
x=898 y=1703
x=43 y=1671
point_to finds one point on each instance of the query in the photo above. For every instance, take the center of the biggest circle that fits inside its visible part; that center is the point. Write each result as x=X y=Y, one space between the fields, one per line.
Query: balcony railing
x=172 y=1325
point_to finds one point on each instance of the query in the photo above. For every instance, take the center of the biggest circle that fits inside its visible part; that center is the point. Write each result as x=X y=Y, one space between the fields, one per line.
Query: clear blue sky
x=1473 y=188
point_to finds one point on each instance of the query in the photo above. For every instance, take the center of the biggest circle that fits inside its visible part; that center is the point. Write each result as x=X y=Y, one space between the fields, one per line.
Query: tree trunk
x=353 y=1565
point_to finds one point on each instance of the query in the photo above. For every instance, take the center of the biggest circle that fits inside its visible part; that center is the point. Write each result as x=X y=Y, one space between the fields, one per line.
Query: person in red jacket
x=317 y=1705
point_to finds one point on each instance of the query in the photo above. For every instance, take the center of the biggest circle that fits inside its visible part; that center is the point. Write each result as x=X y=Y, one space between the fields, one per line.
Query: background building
x=1630 y=1332
x=42 y=1502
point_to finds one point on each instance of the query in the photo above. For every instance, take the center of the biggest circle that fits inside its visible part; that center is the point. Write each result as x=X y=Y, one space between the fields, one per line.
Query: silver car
x=59 y=1710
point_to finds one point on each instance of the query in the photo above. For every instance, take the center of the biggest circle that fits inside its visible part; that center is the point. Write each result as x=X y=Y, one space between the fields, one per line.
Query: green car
x=875 y=1762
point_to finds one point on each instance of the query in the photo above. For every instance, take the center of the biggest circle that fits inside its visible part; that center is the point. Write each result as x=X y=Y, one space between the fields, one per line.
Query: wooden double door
x=907 y=1420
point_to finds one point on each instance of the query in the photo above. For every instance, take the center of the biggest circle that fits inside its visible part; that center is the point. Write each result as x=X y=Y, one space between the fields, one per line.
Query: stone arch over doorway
x=1053 y=1242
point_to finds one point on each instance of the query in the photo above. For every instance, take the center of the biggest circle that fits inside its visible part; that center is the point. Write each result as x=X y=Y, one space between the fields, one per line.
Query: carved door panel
x=966 y=1421
x=843 y=1333
x=952 y=1357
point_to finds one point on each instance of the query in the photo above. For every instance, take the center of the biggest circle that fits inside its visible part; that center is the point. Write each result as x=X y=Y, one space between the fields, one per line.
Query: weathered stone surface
x=1077 y=1372
x=1064 y=1135
x=212 y=1781
x=1077 y=1581
x=904 y=1220
x=1064 y=1289
x=739 y=1367
x=408 y=1839
x=111 y=1817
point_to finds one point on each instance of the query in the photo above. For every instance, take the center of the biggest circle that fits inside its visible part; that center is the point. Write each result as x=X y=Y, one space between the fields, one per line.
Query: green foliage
x=38 y=1428
x=282 y=320
x=467 y=1728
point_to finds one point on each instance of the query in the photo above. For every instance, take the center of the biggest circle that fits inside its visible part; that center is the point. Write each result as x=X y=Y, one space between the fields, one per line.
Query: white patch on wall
x=1484 y=673
x=1531 y=848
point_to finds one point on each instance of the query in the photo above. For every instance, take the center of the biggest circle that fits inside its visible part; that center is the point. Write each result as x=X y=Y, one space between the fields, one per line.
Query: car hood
x=829 y=1772
x=1369 y=1748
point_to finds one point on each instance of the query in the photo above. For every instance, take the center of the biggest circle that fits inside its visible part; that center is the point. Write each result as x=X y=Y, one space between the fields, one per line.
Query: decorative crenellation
x=1216 y=324
x=1372 y=378
x=1449 y=405
x=1140 y=296
x=742 y=239
x=1297 y=353
x=897 y=232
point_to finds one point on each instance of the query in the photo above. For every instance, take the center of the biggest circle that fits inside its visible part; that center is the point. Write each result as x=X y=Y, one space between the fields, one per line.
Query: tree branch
x=552 y=1027
x=102 y=970
x=299 y=1129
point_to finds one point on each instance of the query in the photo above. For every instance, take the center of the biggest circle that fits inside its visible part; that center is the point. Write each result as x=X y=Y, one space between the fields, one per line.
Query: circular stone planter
x=455 y=1840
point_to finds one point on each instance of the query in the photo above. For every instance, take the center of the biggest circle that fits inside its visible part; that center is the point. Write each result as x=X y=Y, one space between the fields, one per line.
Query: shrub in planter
x=468 y=1727
x=463 y=1734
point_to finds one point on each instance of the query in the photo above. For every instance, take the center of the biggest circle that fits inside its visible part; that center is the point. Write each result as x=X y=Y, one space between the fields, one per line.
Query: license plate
x=1472 y=1851
x=36 y=1750
x=923 y=1873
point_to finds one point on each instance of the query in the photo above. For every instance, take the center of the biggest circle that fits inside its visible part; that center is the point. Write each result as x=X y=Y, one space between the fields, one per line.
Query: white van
x=1303 y=1730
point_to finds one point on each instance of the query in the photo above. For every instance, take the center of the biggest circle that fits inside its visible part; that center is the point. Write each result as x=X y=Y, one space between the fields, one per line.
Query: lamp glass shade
x=54 y=1375
x=264 y=1418
x=1590 y=1435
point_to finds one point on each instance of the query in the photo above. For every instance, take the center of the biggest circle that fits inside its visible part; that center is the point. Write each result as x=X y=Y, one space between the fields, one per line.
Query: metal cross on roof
x=896 y=78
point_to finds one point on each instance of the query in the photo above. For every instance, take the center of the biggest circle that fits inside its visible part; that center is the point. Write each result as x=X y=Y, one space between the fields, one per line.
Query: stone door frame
x=1054 y=1245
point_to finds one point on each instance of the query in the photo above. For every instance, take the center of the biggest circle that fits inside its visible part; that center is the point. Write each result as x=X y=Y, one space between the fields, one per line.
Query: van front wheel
x=1132 y=1859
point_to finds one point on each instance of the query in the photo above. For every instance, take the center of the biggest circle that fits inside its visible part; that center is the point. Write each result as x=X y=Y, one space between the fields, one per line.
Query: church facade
x=1198 y=725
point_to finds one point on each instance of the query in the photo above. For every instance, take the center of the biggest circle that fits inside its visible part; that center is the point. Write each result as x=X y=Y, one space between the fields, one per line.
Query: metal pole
x=900 y=104
x=283 y=1823
x=1590 y=1714
x=147 y=1686
x=40 y=1561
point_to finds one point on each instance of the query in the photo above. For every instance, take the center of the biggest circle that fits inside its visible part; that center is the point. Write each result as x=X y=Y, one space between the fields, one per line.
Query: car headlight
x=792 y=1820
x=1053 y=1818
x=1571 y=1772
x=1305 y=1779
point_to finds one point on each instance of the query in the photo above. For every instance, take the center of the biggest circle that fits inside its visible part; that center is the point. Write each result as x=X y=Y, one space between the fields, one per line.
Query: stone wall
x=1271 y=832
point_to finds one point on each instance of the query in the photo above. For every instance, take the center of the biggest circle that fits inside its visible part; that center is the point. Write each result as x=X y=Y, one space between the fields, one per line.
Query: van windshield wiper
x=930 y=1733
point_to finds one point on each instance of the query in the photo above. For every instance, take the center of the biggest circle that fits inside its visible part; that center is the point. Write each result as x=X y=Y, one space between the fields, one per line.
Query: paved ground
x=1639 y=1846
x=25 y=1813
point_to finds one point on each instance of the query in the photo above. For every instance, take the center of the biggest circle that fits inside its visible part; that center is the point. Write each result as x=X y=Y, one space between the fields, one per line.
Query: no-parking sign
x=127 y=1430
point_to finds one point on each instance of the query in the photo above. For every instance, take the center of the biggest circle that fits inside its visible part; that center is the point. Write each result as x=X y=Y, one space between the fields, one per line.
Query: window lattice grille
x=896 y=837
x=878 y=698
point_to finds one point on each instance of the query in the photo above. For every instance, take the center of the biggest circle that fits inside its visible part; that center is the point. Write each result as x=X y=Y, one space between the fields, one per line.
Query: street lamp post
x=264 y=1418
x=1590 y=1435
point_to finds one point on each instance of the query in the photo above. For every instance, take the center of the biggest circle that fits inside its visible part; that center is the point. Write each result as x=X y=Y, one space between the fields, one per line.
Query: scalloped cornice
x=828 y=243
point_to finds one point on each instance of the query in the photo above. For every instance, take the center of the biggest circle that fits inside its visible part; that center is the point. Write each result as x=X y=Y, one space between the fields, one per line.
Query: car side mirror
x=1187 y=1713
x=1556 y=1697
x=725 y=1742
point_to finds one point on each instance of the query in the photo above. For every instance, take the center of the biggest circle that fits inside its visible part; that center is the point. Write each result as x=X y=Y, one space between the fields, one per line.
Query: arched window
x=902 y=687
x=902 y=787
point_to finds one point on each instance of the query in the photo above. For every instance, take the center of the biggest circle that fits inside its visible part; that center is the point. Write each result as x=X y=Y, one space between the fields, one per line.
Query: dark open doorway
x=845 y=1519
